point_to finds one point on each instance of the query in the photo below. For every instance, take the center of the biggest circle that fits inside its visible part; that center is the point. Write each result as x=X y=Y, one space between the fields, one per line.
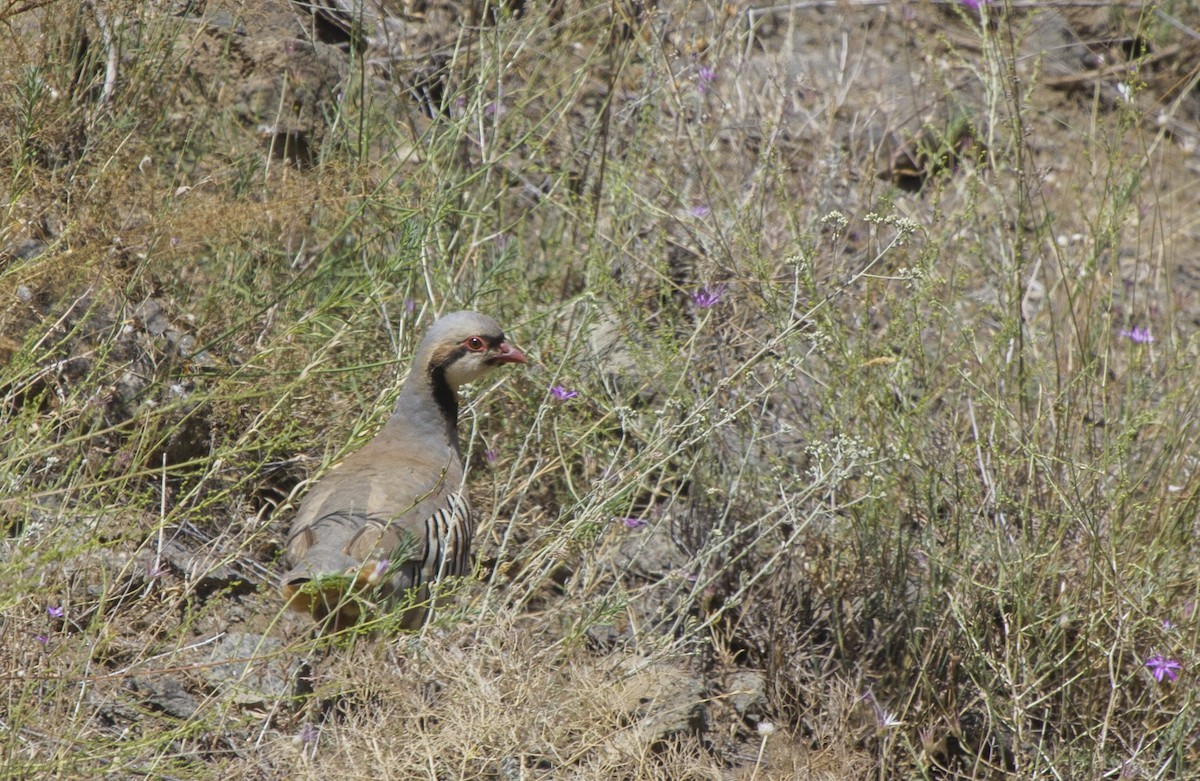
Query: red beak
x=509 y=354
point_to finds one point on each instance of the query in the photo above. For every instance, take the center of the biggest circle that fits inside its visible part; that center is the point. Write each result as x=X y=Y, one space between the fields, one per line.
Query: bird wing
x=381 y=504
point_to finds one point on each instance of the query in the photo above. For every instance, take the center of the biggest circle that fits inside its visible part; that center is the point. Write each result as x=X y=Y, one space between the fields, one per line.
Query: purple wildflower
x=562 y=394
x=1162 y=668
x=490 y=454
x=1137 y=335
x=43 y=639
x=496 y=108
x=55 y=612
x=1168 y=624
x=974 y=5
x=377 y=574
x=307 y=734
x=884 y=718
x=633 y=523
x=708 y=296
x=410 y=305
x=704 y=77
x=700 y=211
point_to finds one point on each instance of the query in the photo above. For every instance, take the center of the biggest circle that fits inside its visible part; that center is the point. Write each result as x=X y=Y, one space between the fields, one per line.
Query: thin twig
x=113 y=59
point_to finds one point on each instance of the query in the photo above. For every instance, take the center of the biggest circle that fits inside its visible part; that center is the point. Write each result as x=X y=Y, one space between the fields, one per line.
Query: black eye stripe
x=490 y=341
x=447 y=358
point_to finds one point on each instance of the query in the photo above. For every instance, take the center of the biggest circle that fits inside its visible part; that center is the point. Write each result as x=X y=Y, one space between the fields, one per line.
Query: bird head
x=464 y=346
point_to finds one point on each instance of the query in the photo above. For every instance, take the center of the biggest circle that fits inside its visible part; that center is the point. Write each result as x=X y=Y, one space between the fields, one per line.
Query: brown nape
x=446 y=355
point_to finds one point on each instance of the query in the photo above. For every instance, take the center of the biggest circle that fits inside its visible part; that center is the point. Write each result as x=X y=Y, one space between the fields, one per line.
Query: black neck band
x=445 y=397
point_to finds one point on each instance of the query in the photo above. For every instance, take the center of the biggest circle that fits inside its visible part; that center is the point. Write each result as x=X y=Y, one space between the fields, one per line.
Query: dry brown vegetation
x=882 y=319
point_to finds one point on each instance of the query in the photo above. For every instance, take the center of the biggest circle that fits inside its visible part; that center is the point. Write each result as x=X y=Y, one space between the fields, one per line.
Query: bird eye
x=475 y=344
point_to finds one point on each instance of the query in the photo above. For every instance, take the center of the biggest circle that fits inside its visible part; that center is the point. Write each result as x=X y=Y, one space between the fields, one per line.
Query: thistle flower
x=708 y=296
x=1163 y=668
x=562 y=394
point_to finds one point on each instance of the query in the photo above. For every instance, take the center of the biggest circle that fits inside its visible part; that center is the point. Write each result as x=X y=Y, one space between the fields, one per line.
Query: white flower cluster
x=905 y=226
x=836 y=220
x=839 y=459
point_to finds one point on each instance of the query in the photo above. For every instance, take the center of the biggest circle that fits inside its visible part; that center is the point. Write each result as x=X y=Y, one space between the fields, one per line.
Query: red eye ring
x=475 y=344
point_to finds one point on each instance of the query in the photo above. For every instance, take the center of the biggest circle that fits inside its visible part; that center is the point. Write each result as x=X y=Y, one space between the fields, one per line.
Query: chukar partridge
x=394 y=516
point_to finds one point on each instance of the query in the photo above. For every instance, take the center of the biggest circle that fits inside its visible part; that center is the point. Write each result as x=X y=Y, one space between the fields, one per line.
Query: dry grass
x=914 y=497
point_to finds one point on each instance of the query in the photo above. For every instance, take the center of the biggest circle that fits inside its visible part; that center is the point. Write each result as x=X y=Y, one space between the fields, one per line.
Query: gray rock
x=666 y=700
x=747 y=693
x=203 y=572
x=24 y=250
x=658 y=701
x=250 y=668
x=165 y=694
x=649 y=552
x=150 y=312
